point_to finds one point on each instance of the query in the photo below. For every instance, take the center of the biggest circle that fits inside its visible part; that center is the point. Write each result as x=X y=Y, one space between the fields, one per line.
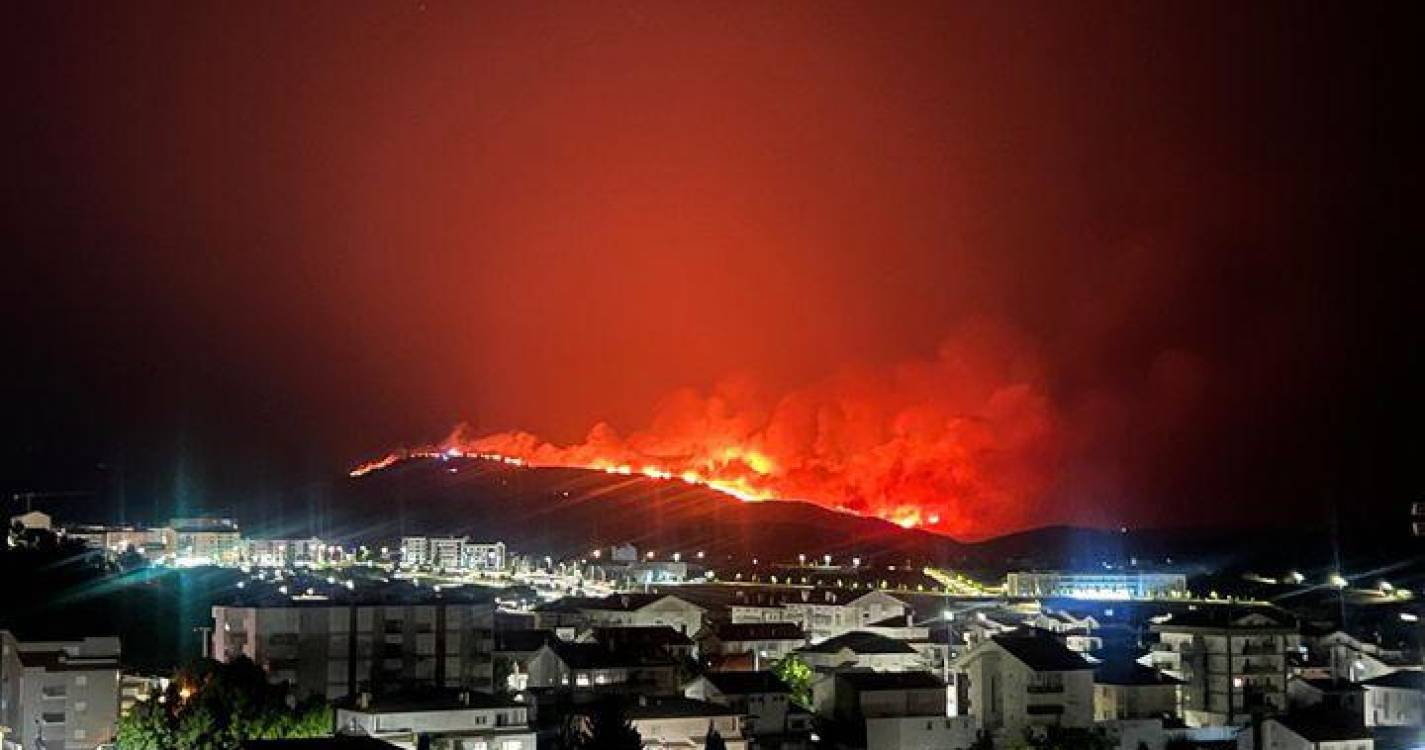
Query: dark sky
x=247 y=245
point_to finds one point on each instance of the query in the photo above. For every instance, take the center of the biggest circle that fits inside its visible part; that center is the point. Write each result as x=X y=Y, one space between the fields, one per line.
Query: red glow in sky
x=1005 y=265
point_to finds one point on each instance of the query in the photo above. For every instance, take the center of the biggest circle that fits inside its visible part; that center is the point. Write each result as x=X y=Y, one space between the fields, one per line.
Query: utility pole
x=29 y=496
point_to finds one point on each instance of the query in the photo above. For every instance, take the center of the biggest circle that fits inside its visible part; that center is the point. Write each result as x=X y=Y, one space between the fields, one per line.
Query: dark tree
x=608 y=728
x=714 y=739
x=216 y=706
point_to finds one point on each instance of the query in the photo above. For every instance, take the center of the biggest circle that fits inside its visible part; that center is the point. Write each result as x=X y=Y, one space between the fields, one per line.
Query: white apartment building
x=60 y=695
x=1231 y=659
x=452 y=553
x=460 y=720
x=337 y=649
x=206 y=540
x=821 y=613
x=1134 y=585
x=1022 y=679
x=281 y=553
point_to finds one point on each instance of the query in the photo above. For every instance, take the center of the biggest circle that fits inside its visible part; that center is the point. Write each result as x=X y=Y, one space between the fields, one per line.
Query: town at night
x=427 y=375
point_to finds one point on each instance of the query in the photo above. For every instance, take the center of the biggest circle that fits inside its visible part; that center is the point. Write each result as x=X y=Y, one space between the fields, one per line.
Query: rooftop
x=759 y=631
x=1130 y=673
x=860 y=642
x=1229 y=616
x=427 y=700
x=674 y=707
x=1325 y=726
x=1041 y=652
x=868 y=682
x=1409 y=679
x=743 y=683
x=630 y=602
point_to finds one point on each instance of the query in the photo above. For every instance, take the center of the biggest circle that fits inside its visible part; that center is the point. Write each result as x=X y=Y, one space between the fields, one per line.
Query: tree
x=714 y=739
x=1066 y=738
x=608 y=728
x=794 y=671
x=216 y=706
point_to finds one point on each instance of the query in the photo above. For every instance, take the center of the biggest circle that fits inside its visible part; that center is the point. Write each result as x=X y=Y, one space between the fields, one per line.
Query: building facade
x=335 y=650
x=59 y=695
x=1232 y=661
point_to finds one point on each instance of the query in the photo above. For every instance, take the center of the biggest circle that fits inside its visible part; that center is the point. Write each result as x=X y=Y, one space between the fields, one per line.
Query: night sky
x=249 y=245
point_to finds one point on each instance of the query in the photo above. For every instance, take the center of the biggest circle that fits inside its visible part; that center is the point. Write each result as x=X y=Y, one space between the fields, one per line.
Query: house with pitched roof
x=861 y=650
x=890 y=711
x=772 y=719
x=749 y=645
x=1396 y=699
x=1024 y=678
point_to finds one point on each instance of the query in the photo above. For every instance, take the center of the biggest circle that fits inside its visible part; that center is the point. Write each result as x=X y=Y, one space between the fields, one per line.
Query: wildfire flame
x=962 y=444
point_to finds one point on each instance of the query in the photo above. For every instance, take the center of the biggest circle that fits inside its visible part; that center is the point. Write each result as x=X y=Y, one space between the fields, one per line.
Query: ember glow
x=964 y=443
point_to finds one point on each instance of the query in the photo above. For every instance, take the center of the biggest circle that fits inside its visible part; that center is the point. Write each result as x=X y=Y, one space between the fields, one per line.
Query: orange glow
x=964 y=444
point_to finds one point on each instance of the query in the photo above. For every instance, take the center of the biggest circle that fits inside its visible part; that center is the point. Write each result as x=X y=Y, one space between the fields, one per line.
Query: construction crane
x=31 y=496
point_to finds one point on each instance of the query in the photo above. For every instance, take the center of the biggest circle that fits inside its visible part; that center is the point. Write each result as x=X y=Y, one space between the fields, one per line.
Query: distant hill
x=566 y=512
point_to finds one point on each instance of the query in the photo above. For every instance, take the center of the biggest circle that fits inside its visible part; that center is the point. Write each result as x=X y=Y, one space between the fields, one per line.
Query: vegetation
x=1065 y=738
x=216 y=706
x=605 y=726
x=794 y=671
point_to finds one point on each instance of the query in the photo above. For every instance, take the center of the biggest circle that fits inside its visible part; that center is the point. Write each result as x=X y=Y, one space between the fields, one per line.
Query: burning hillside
x=964 y=443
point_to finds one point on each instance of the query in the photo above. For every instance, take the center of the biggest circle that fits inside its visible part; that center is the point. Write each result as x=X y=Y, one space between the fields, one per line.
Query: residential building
x=1125 y=689
x=659 y=639
x=513 y=651
x=565 y=615
x=1021 y=679
x=59 y=695
x=280 y=553
x=153 y=543
x=1356 y=658
x=458 y=720
x=679 y=722
x=751 y=645
x=368 y=642
x=1316 y=731
x=772 y=719
x=890 y=711
x=33 y=519
x=645 y=610
x=821 y=613
x=1325 y=693
x=452 y=553
x=1396 y=699
x=482 y=556
x=205 y=540
x=1129 y=585
x=1231 y=659
x=860 y=650
x=589 y=668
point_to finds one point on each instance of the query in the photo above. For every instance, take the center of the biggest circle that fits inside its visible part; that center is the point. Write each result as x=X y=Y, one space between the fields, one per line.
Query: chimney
x=363 y=700
x=643 y=700
x=465 y=697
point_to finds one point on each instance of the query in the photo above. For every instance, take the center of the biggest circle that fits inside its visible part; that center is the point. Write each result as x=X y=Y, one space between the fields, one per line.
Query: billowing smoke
x=964 y=443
